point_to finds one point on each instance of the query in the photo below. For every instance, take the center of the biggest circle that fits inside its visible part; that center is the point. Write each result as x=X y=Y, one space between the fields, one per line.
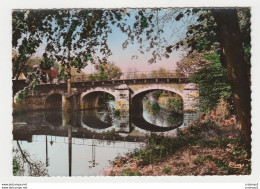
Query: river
x=47 y=148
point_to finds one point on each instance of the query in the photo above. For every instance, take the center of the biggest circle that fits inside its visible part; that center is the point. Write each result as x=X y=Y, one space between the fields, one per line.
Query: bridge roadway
x=20 y=84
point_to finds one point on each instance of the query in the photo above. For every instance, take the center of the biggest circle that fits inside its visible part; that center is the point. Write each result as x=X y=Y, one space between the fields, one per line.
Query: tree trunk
x=229 y=34
x=68 y=70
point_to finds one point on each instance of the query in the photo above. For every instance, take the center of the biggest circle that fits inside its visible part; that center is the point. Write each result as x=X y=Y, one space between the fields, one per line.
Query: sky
x=173 y=32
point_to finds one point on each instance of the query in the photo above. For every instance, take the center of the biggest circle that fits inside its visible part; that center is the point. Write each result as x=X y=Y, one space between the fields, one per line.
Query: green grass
x=219 y=163
x=160 y=147
x=167 y=169
x=128 y=172
x=242 y=151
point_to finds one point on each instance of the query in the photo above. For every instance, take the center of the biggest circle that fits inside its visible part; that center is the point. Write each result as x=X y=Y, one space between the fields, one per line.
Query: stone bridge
x=128 y=95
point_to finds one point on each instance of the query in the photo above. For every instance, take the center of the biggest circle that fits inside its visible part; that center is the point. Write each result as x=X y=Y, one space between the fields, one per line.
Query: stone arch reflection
x=53 y=101
x=53 y=113
x=98 y=110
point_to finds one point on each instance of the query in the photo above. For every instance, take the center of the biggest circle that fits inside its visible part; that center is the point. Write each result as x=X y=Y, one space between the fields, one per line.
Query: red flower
x=223 y=124
x=210 y=117
x=214 y=166
x=216 y=120
x=227 y=122
x=232 y=120
x=215 y=114
x=118 y=164
x=219 y=114
x=203 y=118
x=135 y=169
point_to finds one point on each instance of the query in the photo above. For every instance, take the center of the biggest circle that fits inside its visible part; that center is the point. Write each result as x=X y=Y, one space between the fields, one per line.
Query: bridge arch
x=53 y=100
x=98 y=89
x=89 y=99
x=158 y=87
x=137 y=107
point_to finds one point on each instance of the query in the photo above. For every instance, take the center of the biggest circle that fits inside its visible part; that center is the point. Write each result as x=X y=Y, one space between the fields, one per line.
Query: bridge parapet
x=20 y=84
x=129 y=82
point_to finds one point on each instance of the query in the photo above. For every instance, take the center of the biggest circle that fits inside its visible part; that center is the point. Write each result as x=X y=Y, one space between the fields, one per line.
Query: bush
x=117 y=113
x=106 y=97
x=173 y=119
x=213 y=83
x=160 y=147
x=92 y=78
x=155 y=108
x=15 y=166
x=19 y=111
x=175 y=104
x=157 y=94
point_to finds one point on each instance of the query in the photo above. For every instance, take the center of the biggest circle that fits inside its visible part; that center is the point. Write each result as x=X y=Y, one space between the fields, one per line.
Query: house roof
x=51 y=73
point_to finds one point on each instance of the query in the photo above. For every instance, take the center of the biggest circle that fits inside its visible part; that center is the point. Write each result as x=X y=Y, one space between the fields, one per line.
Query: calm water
x=45 y=146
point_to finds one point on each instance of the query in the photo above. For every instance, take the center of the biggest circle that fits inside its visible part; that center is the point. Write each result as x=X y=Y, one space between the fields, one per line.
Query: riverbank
x=202 y=149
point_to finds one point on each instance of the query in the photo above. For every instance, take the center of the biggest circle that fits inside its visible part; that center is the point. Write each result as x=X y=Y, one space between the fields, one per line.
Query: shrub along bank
x=202 y=149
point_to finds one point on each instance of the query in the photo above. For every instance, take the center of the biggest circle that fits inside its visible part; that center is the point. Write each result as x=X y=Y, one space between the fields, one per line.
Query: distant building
x=52 y=75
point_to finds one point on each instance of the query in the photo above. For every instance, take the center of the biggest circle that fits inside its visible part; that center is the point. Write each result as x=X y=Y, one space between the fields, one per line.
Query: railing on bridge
x=126 y=77
x=129 y=75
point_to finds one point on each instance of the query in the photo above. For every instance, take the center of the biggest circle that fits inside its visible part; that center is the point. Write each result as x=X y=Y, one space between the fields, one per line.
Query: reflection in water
x=74 y=151
x=87 y=147
x=81 y=157
x=158 y=116
x=106 y=112
x=163 y=108
x=53 y=117
x=25 y=164
x=70 y=148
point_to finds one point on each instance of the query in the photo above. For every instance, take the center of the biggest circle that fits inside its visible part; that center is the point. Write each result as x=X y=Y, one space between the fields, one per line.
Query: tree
x=218 y=29
x=162 y=72
x=213 y=83
x=147 y=31
x=27 y=32
x=191 y=63
x=106 y=71
x=72 y=37
x=140 y=76
x=111 y=70
x=221 y=29
x=230 y=38
x=24 y=165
